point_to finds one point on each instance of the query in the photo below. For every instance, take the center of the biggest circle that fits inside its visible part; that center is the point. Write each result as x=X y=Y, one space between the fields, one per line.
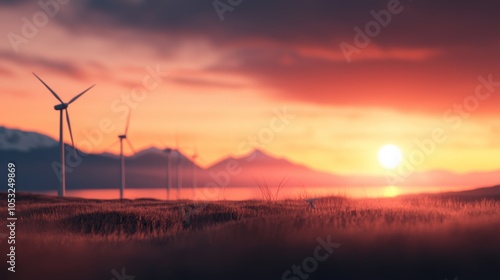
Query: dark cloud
x=268 y=40
x=205 y=83
x=421 y=24
x=33 y=62
x=427 y=85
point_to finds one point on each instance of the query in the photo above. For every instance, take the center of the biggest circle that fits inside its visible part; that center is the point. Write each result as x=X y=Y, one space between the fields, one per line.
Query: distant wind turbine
x=63 y=107
x=168 y=151
x=178 y=165
x=122 y=157
x=194 y=172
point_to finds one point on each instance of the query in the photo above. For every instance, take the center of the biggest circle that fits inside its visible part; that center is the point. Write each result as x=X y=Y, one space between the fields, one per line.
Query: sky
x=322 y=83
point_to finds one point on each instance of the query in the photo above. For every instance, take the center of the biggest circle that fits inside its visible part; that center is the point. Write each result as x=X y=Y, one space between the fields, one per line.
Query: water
x=248 y=193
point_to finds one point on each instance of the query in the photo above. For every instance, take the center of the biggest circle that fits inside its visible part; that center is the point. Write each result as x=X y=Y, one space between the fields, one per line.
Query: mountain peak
x=258 y=154
x=24 y=141
x=148 y=151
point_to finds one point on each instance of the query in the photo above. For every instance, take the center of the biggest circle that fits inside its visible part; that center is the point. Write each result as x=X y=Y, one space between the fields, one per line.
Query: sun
x=390 y=156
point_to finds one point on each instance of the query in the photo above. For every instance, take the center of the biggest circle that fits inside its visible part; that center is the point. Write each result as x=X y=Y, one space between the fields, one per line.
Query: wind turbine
x=122 y=158
x=178 y=165
x=168 y=151
x=193 y=158
x=63 y=107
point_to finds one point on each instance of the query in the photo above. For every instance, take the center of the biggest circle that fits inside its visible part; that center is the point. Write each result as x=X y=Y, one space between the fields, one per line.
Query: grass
x=399 y=238
x=266 y=191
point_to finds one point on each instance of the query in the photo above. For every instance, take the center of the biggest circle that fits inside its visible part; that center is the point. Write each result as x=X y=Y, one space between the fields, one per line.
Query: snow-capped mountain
x=23 y=141
x=149 y=151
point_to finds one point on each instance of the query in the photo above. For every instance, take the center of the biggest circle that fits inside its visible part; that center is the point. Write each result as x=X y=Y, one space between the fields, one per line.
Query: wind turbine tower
x=122 y=157
x=194 y=171
x=168 y=151
x=178 y=166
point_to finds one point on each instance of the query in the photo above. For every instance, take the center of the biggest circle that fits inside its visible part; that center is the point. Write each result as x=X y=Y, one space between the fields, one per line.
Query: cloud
x=373 y=52
x=31 y=62
x=205 y=83
x=427 y=58
x=424 y=23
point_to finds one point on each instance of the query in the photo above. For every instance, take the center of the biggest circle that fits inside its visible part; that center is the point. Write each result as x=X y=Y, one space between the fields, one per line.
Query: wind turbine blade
x=78 y=96
x=130 y=145
x=53 y=93
x=70 y=132
x=114 y=143
x=128 y=123
x=201 y=160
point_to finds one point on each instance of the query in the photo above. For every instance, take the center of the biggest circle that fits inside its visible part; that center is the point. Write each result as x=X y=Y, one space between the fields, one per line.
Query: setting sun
x=390 y=156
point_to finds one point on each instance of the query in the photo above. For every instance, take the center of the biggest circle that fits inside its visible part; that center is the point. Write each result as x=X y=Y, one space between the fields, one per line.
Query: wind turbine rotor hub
x=60 y=107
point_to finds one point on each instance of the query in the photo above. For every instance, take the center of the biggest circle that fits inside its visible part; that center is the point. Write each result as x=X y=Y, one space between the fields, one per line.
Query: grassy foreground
x=411 y=238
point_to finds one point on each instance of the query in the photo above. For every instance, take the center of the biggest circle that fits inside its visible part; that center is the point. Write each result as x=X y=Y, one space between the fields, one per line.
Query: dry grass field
x=396 y=238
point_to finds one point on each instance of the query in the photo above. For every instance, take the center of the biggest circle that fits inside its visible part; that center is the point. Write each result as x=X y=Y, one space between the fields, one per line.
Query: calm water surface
x=246 y=193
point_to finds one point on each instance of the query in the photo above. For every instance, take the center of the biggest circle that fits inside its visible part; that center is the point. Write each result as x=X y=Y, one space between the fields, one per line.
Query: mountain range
x=36 y=157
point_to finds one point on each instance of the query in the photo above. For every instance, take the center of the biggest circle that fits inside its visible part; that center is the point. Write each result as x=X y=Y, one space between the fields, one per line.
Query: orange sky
x=224 y=83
